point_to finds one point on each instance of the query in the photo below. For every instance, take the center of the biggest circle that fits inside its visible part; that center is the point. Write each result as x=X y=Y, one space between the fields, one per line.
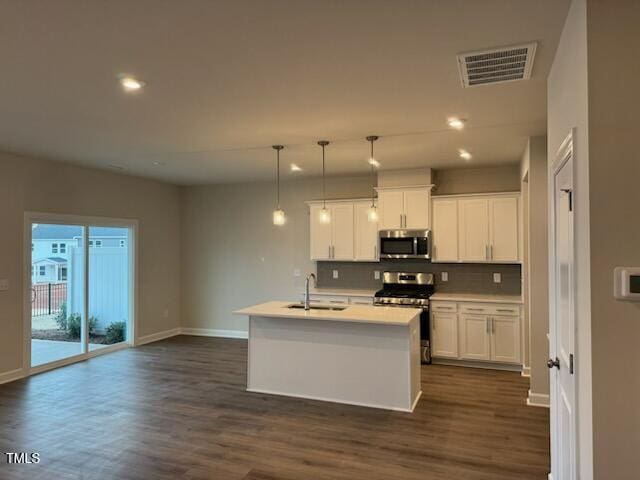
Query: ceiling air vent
x=497 y=65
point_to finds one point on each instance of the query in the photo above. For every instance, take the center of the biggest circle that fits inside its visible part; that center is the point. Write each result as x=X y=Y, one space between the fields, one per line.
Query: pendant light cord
x=278 y=177
x=373 y=186
x=324 y=195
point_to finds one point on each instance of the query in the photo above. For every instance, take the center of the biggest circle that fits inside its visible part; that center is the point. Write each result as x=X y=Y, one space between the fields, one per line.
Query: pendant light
x=325 y=216
x=278 y=214
x=372 y=213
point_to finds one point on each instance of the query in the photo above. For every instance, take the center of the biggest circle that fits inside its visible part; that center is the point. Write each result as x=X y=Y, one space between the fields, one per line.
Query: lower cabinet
x=474 y=337
x=476 y=332
x=444 y=337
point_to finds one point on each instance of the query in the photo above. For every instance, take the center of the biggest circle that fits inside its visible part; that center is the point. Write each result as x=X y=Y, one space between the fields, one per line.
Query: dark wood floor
x=177 y=409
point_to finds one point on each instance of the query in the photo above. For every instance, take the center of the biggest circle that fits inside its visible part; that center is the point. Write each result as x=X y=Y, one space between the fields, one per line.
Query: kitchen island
x=356 y=354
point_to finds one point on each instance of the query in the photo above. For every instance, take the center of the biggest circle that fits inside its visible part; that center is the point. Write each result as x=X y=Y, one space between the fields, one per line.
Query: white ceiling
x=226 y=79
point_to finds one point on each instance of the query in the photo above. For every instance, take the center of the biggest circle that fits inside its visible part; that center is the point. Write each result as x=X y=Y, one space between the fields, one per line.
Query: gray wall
x=29 y=184
x=477 y=180
x=463 y=278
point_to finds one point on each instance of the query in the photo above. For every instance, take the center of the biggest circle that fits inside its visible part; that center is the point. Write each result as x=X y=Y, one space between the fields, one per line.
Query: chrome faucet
x=307 y=305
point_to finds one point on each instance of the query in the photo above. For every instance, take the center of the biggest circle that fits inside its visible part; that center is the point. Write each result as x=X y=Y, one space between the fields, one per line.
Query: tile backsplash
x=463 y=278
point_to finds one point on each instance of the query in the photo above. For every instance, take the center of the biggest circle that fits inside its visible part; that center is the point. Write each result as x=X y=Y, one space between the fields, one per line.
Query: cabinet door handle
x=405 y=220
x=329 y=251
x=375 y=251
x=486 y=252
x=490 y=252
x=493 y=325
x=434 y=251
x=488 y=328
x=504 y=310
x=475 y=309
x=333 y=251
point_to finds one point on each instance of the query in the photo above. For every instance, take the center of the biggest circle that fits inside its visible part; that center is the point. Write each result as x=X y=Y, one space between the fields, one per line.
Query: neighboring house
x=51 y=247
x=49 y=270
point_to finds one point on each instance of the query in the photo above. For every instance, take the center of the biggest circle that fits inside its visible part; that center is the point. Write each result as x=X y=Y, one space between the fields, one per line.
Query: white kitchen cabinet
x=342 y=231
x=333 y=240
x=503 y=229
x=366 y=233
x=444 y=335
x=406 y=207
x=477 y=228
x=320 y=235
x=472 y=331
x=474 y=337
x=505 y=339
x=473 y=226
x=390 y=209
x=416 y=208
x=445 y=230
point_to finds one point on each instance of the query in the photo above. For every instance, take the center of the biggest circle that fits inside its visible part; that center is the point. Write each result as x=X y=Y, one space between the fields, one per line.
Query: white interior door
x=562 y=330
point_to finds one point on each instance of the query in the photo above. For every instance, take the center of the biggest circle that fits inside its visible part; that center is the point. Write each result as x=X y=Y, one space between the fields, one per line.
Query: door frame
x=564 y=154
x=31 y=217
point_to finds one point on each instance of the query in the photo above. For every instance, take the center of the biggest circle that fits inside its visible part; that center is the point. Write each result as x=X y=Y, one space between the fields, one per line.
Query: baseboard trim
x=11 y=375
x=334 y=400
x=477 y=364
x=214 y=332
x=538 y=400
x=526 y=372
x=154 y=337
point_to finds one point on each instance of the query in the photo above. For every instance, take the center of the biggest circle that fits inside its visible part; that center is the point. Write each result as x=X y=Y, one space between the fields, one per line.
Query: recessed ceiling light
x=456 y=123
x=131 y=84
x=464 y=154
x=374 y=163
x=295 y=168
x=159 y=164
x=115 y=166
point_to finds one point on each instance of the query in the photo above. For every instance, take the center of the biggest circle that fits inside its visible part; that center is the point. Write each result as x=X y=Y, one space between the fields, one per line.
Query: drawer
x=361 y=300
x=332 y=299
x=489 y=309
x=445 y=307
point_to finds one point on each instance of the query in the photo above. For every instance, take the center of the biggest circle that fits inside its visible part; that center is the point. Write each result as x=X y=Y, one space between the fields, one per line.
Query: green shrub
x=115 y=332
x=61 y=317
x=74 y=325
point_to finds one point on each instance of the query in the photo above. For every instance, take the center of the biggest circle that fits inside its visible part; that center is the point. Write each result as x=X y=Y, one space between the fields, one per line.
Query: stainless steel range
x=405 y=289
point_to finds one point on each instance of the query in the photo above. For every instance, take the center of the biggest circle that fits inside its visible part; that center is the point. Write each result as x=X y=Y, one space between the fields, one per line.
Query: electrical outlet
x=296 y=272
x=4 y=284
x=335 y=274
x=497 y=278
x=376 y=275
x=444 y=276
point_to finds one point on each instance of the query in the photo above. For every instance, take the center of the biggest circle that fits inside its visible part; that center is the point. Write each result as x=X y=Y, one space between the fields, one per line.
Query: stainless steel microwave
x=405 y=244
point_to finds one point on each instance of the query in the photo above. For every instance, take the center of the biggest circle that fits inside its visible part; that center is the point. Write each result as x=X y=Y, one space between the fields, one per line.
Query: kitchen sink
x=300 y=306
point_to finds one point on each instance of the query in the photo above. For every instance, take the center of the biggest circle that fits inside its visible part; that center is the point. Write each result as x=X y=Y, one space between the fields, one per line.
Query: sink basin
x=300 y=306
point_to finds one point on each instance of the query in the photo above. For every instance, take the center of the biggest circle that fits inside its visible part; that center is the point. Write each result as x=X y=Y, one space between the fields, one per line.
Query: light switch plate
x=335 y=274
x=444 y=276
x=497 y=278
x=296 y=272
x=4 y=284
x=376 y=275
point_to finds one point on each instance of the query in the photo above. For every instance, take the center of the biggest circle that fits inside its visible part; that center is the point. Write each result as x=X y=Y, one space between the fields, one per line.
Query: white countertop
x=476 y=297
x=349 y=292
x=352 y=313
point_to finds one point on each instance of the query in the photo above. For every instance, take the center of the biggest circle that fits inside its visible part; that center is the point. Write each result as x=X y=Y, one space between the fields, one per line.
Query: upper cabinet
x=406 y=207
x=477 y=228
x=348 y=236
x=332 y=240
x=445 y=230
x=366 y=233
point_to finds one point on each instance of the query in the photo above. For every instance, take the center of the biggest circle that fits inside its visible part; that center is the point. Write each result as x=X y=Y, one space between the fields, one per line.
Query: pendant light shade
x=279 y=217
x=324 y=215
x=372 y=213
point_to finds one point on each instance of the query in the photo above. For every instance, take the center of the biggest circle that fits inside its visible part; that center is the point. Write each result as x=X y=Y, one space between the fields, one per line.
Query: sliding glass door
x=81 y=290
x=109 y=286
x=57 y=274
